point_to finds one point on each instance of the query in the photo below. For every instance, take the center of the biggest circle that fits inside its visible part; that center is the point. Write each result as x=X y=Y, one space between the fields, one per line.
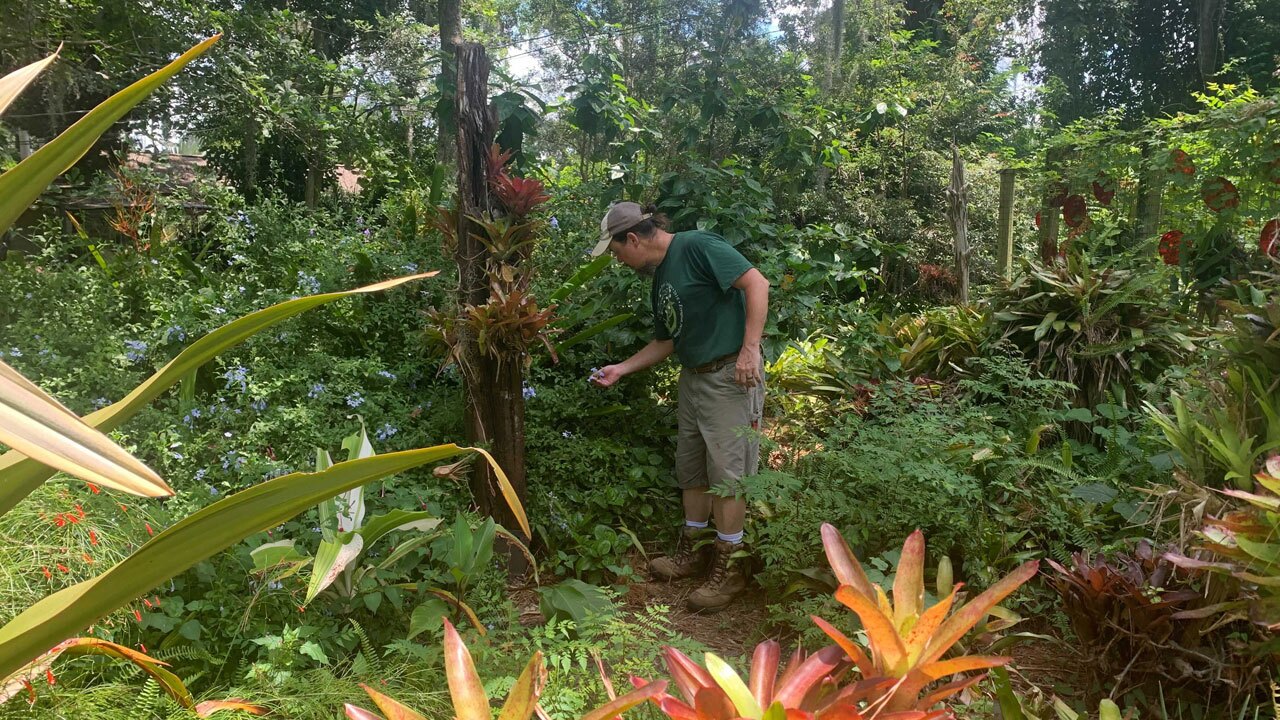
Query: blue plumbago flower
x=528 y=391
x=410 y=267
x=311 y=232
x=308 y=283
x=360 y=220
x=237 y=374
x=191 y=416
x=566 y=434
x=101 y=402
x=275 y=585
x=385 y=432
x=317 y=390
x=595 y=373
x=367 y=232
x=387 y=374
x=232 y=460
x=237 y=258
x=218 y=310
x=200 y=476
x=135 y=350
x=355 y=400
x=275 y=473
x=175 y=332
x=258 y=405
x=555 y=224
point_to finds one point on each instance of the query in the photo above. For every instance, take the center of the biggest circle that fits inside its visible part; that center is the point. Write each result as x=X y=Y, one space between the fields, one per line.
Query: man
x=709 y=307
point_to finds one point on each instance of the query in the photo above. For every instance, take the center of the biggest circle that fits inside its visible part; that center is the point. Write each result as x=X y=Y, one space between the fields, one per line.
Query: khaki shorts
x=719 y=437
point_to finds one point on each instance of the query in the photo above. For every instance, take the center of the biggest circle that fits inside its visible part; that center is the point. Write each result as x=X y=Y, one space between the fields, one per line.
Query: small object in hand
x=596 y=375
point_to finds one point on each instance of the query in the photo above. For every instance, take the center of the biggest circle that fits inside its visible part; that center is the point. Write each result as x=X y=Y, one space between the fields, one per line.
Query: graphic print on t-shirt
x=672 y=312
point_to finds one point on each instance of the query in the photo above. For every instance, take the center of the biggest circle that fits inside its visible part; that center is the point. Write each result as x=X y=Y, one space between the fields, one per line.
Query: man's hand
x=607 y=375
x=747 y=373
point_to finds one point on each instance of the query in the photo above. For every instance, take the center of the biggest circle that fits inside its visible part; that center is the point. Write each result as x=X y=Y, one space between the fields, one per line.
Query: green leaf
x=574 y=600
x=20 y=475
x=584 y=273
x=195 y=538
x=314 y=651
x=1094 y=493
x=427 y=616
x=592 y=331
x=22 y=184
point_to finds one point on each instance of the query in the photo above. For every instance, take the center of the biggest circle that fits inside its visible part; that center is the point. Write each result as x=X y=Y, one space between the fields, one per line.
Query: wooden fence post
x=958 y=214
x=1051 y=213
x=1004 y=225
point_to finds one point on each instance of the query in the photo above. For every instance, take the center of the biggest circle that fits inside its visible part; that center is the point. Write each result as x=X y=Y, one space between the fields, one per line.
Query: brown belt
x=716 y=364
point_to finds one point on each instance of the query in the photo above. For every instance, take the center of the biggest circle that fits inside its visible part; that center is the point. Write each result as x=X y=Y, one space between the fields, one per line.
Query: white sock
x=734 y=538
x=695 y=524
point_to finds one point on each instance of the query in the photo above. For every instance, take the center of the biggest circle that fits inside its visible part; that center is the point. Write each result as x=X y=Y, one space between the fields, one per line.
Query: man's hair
x=645 y=228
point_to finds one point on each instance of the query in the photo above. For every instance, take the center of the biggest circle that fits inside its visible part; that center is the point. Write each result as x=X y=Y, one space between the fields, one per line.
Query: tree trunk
x=450 y=39
x=837 y=44
x=494 y=401
x=958 y=214
x=1209 y=22
x=1004 y=225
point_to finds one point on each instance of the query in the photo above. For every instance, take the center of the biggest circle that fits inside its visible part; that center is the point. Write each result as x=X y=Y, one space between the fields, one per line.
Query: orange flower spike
x=31 y=692
x=87 y=558
x=94 y=488
x=123 y=507
x=72 y=519
x=59 y=520
x=48 y=675
x=149 y=530
x=146 y=602
x=93 y=537
x=80 y=511
x=63 y=568
x=137 y=615
x=142 y=647
x=47 y=575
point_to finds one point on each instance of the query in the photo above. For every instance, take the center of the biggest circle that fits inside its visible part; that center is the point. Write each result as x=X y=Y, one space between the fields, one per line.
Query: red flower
x=63 y=568
x=1269 y=240
x=87 y=558
x=1104 y=189
x=93 y=487
x=48 y=675
x=47 y=575
x=1170 y=246
x=1219 y=194
x=93 y=538
x=1074 y=211
x=1182 y=163
x=149 y=530
x=137 y=615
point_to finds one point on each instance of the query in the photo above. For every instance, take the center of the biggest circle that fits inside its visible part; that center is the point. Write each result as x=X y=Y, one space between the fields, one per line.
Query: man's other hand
x=748 y=373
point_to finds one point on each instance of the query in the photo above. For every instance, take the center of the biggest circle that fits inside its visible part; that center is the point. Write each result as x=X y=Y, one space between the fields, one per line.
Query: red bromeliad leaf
x=881 y=632
x=908 y=584
x=793 y=664
x=764 y=671
x=1269 y=239
x=920 y=634
x=674 y=709
x=841 y=712
x=1219 y=194
x=498 y=159
x=947 y=691
x=469 y=699
x=1104 y=189
x=688 y=675
x=394 y=709
x=354 y=712
x=855 y=653
x=811 y=672
x=846 y=567
x=976 y=609
x=1170 y=247
x=711 y=703
x=654 y=691
x=1074 y=211
x=519 y=195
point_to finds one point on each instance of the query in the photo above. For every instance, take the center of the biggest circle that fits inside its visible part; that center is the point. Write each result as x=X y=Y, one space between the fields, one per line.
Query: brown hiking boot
x=689 y=559
x=728 y=578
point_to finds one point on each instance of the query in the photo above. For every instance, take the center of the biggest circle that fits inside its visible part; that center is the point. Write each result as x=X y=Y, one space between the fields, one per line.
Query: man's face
x=629 y=253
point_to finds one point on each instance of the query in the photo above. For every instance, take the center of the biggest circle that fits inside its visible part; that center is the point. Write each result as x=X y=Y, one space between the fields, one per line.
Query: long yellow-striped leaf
x=195 y=538
x=14 y=83
x=732 y=685
x=469 y=699
x=881 y=633
x=908 y=583
x=40 y=427
x=23 y=183
x=20 y=475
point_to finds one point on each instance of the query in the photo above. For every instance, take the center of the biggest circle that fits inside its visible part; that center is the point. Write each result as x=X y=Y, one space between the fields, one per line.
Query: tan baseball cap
x=621 y=217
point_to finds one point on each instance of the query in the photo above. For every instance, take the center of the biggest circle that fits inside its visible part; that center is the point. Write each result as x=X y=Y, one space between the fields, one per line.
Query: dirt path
x=730 y=632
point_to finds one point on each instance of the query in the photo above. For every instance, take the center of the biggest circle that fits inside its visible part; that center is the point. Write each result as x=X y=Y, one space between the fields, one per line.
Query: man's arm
x=756 y=288
x=649 y=355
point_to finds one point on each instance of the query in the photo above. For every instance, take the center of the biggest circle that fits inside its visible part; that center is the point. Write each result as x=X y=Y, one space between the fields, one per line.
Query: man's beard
x=648 y=269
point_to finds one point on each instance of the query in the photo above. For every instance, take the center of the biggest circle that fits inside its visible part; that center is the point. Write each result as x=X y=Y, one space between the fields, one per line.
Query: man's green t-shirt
x=694 y=301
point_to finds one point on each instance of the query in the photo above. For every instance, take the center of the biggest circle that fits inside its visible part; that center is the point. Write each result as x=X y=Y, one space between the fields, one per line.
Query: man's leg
x=691 y=556
x=729 y=420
